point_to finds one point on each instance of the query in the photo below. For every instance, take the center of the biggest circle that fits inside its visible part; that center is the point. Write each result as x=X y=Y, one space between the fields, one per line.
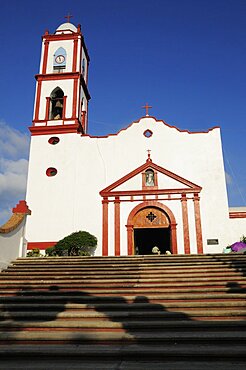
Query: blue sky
x=186 y=58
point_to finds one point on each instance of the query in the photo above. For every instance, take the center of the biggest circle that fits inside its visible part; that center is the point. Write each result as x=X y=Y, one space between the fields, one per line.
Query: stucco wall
x=70 y=201
x=237 y=228
x=12 y=245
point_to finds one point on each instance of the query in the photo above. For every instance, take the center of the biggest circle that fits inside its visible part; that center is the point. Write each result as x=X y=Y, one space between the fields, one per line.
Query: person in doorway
x=156 y=250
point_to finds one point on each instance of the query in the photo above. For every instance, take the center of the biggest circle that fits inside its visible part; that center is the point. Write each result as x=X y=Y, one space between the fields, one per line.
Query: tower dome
x=66 y=28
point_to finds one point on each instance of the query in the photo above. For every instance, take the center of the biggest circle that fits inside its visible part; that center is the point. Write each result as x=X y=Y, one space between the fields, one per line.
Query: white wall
x=12 y=245
x=70 y=201
x=237 y=228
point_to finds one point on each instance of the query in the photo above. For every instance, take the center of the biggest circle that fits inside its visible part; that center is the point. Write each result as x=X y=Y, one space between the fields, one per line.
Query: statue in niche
x=149 y=178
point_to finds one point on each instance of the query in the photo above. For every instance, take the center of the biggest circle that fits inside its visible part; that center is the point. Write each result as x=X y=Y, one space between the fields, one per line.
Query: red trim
x=21 y=207
x=174 y=246
x=62 y=36
x=81 y=57
x=64 y=119
x=39 y=85
x=65 y=76
x=67 y=36
x=166 y=124
x=75 y=53
x=105 y=227
x=75 y=95
x=58 y=76
x=149 y=192
x=130 y=250
x=155 y=186
x=40 y=245
x=140 y=199
x=53 y=140
x=51 y=130
x=64 y=107
x=145 y=204
x=149 y=165
x=185 y=224
x=156 y=179
x=149 y=132
x=45 y=58
x=51 y=171
x=117 y=226
x=47 y=109
x=198 y=224
x=235 y=214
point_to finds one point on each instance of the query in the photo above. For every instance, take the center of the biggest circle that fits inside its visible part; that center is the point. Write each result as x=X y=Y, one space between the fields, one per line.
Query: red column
x=198 y=224
x=105 y=227
x=174 y=238
x=185 y=224
x=117 y=226
x=37 y=100
x=47 y=110
x=75 y=94
x=45 y=58
x=130 y=239
x=75 y=53
x=64 y=107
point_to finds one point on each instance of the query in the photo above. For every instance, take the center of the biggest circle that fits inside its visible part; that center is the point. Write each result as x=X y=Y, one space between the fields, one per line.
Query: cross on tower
x=68 y=17
x=146 y=106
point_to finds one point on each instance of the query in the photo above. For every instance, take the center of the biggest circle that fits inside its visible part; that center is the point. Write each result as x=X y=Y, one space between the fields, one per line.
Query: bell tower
x=61 y=101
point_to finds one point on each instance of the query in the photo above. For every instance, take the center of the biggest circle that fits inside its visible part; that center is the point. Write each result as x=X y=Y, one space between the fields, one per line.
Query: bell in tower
x=62 y=95
x=56 y=104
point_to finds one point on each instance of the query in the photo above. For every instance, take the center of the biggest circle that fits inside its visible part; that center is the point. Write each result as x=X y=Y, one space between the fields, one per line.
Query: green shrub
x=243 y=239
x=80 y=243
x=34 y=253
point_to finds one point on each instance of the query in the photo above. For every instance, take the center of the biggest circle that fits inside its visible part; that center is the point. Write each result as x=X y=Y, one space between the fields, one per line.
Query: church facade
x=149 y=185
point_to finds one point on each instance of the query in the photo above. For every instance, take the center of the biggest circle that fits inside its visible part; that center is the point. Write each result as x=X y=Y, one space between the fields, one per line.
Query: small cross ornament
x=68 y=17
x=147 y=107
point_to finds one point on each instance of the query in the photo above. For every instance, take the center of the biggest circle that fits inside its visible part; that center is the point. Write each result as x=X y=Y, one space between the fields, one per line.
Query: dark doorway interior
x=146 y=239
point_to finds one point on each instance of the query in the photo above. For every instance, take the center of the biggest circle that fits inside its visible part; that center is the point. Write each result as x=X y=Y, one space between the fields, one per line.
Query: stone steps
x=140 y=337
x=140 y=312
x=121 y=306
x=76 y=296
x=138 y=324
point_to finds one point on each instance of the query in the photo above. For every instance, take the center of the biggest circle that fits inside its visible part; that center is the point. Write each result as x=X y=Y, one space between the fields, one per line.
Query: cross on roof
x=68 y=17
x=147 y=106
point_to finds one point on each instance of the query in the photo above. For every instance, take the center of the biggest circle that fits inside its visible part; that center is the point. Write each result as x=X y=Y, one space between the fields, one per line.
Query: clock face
x=60 y=59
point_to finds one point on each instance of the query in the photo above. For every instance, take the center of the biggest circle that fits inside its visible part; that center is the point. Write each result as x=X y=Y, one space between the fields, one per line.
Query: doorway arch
x=167 y=220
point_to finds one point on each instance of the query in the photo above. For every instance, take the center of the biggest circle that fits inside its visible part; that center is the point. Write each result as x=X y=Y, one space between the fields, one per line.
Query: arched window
x=56 y=104
x=59 y=61
x=149 y=178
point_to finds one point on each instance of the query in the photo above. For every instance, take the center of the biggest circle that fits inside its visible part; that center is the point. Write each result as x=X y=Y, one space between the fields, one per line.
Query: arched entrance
x=151 y=224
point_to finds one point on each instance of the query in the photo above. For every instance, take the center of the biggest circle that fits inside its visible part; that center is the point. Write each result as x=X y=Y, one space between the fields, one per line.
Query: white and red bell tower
x=61 y=102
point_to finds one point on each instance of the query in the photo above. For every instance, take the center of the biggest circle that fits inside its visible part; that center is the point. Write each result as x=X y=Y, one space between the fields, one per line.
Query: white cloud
x=13 y=143
x=13 y=176
x=5 y=215
x=14 y=147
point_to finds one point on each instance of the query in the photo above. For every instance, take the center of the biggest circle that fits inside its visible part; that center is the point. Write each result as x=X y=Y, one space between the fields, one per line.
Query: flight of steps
x=141 y=312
